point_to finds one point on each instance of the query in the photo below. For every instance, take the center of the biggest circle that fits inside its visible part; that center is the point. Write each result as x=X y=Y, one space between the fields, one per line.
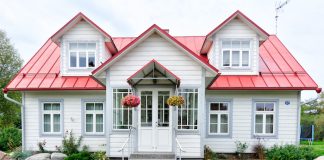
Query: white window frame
x=194 y=109
x=94 y=114
x=77 y=51
x=264 y=114
x=51 y=113
x=219 y=113
x=241 y=50
x=123 y=109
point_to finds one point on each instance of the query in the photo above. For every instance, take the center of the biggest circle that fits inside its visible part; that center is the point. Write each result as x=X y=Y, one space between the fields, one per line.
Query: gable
x=83 y=31
x=237 y=29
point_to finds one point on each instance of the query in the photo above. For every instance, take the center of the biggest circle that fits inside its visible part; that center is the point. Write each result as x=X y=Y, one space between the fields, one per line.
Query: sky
x=300 y=27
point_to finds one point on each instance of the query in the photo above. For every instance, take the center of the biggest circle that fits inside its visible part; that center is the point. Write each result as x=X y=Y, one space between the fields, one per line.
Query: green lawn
x=318 y=147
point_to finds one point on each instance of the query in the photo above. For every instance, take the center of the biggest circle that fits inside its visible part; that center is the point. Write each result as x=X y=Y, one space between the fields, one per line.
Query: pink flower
x=131 y=101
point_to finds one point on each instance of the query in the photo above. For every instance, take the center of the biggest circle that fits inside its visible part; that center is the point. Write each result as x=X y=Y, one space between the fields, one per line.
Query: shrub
x=70 y=144
x=83 y=155
x=41 y=146
x=209 y=154
x=18 y=154
x=259 y=149
x=241 y=148
x=10 y=138
x=99 y=156
x=290 y=152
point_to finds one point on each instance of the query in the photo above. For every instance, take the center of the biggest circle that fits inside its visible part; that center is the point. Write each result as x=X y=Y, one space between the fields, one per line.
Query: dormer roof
x=239 y=15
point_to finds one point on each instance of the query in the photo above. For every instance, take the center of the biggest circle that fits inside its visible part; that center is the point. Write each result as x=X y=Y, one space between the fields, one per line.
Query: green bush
x=70 y=144
x=18 y=154
x=209 y=154
x=83 y=155
x=10 y=138
x=288 y=152
x=99 y=156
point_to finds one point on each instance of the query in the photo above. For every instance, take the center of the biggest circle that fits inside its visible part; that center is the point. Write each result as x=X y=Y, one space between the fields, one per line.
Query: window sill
x=187 y=132
x=51 y=134
x=265 y=136
x=94 y=135
x=228 y=135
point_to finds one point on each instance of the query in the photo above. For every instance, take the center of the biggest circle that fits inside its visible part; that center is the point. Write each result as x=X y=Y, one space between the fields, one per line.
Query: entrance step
x=152 y=156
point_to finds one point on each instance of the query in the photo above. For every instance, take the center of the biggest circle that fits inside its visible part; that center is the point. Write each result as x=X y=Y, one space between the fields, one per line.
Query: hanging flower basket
x=131 y=101
x=175 y=101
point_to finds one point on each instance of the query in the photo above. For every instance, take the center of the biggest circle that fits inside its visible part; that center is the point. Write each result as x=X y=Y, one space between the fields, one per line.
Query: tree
x=10 y=63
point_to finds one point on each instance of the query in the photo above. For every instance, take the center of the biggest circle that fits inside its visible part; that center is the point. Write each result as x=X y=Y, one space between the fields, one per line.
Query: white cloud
x=30 y=23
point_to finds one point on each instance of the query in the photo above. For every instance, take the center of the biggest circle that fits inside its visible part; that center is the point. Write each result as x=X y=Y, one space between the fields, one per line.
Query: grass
x=318 y=147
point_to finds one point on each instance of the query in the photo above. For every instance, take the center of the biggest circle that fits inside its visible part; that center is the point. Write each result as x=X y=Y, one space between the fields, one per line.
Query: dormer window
x=82 y=55
x=236 y=53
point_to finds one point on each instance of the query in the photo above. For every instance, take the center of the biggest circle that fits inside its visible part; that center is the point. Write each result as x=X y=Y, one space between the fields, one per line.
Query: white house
x=239 y=83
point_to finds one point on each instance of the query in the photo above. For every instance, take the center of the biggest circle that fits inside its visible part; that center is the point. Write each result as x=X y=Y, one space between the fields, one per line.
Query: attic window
x=236 y=53
x=82 y=54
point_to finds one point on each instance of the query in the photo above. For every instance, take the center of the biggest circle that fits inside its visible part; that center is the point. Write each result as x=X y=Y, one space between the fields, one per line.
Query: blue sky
x=301 y=28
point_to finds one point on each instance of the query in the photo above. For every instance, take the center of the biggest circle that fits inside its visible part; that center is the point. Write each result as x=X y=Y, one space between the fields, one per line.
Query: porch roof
x=154 y=72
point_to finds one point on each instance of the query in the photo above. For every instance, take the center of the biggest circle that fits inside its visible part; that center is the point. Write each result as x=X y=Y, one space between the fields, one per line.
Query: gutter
x=5 y=93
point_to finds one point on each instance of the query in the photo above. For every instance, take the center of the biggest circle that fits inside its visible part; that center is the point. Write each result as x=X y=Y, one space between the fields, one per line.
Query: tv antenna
x=279 y=8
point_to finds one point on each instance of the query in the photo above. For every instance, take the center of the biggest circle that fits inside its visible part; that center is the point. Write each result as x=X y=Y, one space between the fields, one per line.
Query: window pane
x=259 y=106
x=223 y=106
x=99 y=106
x=269 y=118
x=269 y=106
x=73 y=46
x=56 y=106
x=226 y=58
x=213 y=118
x=47 y=106
x=235 y=44
x=245 y=58
x=235 y=58
x=224 y=128
x=213 y=128
x=91 y=59
x=89 y=106
x=89 y=123
x=82 y=59
x=73 y=59
x=82 y=46
x=99 y=123
x=226 y=44
x=47 y=123
x=258 y=128
x=246 y=44
x=269 y=128
x=91 y=46
x=258 y=118
x=57 y=122
x=224 y=118
x=214 y=106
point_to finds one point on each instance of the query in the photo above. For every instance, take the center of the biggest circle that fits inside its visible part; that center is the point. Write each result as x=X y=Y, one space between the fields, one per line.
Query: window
x=264 y=118
x=188 y=113
x=51 y=113
x=122 y=116
x=94 y=118
x=82 y=55
x=219 y=118
x=236 y=53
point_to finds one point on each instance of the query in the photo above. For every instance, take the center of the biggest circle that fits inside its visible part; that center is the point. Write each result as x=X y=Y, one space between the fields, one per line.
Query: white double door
x=155 y=121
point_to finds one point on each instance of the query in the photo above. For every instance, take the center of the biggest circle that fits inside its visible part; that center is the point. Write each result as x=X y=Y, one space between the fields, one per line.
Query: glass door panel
x=146 y=108
x=163 y=108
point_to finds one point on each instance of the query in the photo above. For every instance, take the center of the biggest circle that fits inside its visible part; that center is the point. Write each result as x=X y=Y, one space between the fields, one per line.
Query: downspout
x=5 y=93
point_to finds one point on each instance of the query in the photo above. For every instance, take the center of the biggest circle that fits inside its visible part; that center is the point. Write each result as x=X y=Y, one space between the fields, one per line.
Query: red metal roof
x=42 y=72
x=278 y=69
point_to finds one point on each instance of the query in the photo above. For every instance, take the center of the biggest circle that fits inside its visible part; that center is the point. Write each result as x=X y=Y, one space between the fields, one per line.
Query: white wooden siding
x=82 y=31
x=191 y=144
x=235 y=29
x=155 y=47
x=242 y=119
x=72 y=119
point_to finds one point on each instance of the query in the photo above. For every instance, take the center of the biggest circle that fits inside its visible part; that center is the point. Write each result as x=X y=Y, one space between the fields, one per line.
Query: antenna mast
x=278 y=8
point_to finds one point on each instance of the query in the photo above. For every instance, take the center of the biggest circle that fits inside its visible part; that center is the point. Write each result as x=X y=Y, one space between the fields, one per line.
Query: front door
x=155 y=122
